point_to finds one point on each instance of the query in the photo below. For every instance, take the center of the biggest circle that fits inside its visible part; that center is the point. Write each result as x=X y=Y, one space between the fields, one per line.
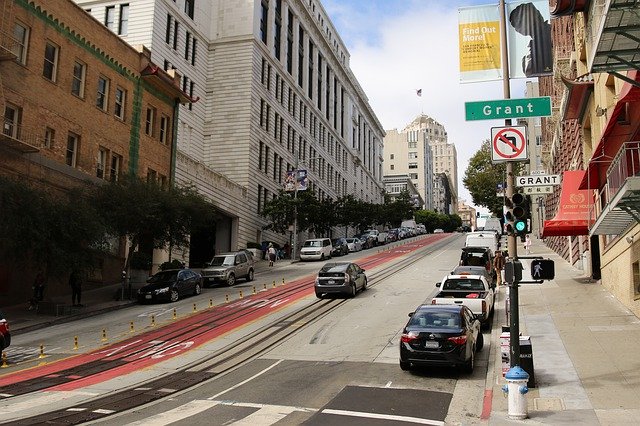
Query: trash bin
x=526 y=359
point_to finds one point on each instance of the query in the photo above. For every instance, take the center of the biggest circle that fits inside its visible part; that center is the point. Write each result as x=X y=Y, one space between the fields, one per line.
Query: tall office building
x=421 y=150
x=275 y=93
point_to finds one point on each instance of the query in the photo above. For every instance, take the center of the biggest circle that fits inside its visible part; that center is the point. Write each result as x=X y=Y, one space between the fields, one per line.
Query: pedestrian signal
x=543 y=269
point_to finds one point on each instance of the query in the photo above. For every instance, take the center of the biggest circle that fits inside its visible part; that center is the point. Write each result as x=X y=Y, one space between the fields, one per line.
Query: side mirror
x=411 y=314
x=438 y=284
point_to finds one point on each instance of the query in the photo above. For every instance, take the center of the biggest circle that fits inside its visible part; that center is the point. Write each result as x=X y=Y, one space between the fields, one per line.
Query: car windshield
x=336 y=242
x=223 y=260
x=435 y=319
x=351 y=240
x=463 y=284
x=164 y=276
x=313 y=243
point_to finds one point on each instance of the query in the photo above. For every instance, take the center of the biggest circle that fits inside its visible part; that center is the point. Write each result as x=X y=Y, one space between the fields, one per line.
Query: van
x=316 y=249
x=482 y=239
x=493 y=224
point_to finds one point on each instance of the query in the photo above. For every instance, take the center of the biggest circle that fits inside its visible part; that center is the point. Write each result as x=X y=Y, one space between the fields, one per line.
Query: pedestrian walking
x=498 y=266
x=75 y=281
x=272 y=254
x=38 y=291
x=527 y=244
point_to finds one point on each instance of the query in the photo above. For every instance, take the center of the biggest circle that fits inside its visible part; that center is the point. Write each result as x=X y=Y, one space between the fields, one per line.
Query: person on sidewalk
x=75 y=281
x=527 y=244
x=272 y=254
x=38 y=291
x=498 y=266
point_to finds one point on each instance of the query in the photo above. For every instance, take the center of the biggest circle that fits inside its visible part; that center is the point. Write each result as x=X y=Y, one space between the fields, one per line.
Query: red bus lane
x=174 y=339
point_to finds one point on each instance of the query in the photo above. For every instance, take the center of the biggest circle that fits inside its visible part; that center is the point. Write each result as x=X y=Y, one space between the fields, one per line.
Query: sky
x=399 y=46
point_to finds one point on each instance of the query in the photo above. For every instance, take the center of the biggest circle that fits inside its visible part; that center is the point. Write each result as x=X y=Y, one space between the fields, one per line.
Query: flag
x=419 y=92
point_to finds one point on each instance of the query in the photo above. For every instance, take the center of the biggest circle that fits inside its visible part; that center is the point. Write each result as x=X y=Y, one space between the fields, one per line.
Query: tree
x=482 y=178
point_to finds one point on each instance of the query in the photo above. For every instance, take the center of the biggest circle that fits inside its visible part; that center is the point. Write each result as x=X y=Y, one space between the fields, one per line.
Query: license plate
x=431 y=345
x=331 y=281
x=147 y=296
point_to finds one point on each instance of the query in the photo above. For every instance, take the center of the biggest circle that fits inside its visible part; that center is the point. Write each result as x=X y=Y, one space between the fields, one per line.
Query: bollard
x=153 y=320
x=211 y=303
x=254 y=289
x=194 y=308
x=131 y=329
x=41 y=352
x=265 y=286
x=274 y=283
x=516 y=388
x=175 y=313
x=226 y=298
x=75 y=343
x=240 y=294
x=282 y=281
x=104 y=334
x=4 y=360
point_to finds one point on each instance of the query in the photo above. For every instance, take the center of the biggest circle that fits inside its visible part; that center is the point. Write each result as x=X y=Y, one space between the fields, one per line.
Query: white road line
x=39 y=400
x=267 y=415
x=383 y=417
x=184 y=411
x=245 y=381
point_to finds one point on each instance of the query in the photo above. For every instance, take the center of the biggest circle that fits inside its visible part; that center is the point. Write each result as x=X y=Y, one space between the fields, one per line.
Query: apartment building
x=80 y=106
x=275 y=93
x=422 y=151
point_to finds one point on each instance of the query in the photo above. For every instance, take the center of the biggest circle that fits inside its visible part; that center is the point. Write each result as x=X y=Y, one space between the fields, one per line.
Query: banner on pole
x=296 y=178
x=529 y=36
x=479 y=43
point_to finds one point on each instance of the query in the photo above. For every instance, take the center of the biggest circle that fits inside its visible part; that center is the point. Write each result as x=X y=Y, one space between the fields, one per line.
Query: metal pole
x=294 y=249
x=514 y=321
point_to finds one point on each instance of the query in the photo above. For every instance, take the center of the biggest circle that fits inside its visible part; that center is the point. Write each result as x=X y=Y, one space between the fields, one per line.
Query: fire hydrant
x=516 y=388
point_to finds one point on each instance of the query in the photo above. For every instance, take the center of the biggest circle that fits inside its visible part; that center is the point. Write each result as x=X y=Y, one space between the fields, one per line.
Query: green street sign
x=508 y=108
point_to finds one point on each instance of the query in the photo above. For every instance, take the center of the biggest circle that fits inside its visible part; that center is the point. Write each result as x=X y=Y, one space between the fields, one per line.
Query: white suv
x=316 y=249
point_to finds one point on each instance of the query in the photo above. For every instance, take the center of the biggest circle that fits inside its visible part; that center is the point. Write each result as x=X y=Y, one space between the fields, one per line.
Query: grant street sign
x=508 y=108
x=535 y=190
x=538 y=180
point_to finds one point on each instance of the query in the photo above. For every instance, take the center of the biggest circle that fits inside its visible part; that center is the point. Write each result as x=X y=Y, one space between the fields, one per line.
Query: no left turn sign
x=508 y=143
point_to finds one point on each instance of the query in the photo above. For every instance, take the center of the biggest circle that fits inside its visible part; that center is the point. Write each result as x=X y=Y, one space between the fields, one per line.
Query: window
x=636 y=278
x=391 y=157
x=393 y=167
x=77 y=84
x=149 y=122
x=167 y=37
x=123 y=22
x=164 y=129
x=49 y=137
x=277 y=29
x=413 y=156
x=12 y=118
x=116 y=165
x=175 y=35
x=413 y=176
x=73 y=144
x=192 y=86
x=194 y=44
x=21 y=36
x=102 y=97
x=101 y=163
x=264 y=14
x=50 y=61
x=413 y=165
x=152 y=176
x=110 y=17
x=189 y=8
x=121 y=99
x=290 y=42
x=187 y=45
x=300 y=56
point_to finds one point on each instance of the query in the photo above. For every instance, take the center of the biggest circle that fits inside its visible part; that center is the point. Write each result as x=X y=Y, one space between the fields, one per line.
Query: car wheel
x=354 y=290
x=174 y=295
x=364 y=285
x=231 y=280
x=318 y=295
x=405 y=365
x=480 y=342
x=250 y=275
x=197 y=290
x=468 y=366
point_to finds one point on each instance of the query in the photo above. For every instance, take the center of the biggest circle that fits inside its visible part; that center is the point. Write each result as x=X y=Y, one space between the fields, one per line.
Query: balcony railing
x=19 y=137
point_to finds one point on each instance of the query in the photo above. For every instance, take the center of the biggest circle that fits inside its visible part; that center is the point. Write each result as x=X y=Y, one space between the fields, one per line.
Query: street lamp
x=298 y=177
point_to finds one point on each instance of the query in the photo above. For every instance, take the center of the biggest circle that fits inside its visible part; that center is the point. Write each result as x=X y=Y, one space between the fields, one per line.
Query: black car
x=340 y=278
x=440 y=335
x=368 y=241
x=5 y=335
x=340 y=247
x=170 y=285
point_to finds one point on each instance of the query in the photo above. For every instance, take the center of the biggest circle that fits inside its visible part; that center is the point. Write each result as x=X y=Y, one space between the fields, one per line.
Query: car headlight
x=162 y=290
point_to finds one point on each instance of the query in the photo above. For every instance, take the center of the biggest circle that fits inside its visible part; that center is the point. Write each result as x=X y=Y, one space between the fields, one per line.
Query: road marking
x=43 y=399
x=246 y=381
x=267 y=415
x=103 y=411
x=184 y=411
x=383 y=417
x=388 y=385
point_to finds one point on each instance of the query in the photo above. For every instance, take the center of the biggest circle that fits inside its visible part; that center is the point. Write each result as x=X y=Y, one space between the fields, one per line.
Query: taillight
x=409 y=337
x=458 y=340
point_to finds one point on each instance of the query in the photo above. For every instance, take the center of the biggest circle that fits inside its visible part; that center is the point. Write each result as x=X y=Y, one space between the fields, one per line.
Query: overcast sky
x=398 y=46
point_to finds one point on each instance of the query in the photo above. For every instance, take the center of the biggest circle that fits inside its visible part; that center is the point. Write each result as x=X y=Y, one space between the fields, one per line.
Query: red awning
x=615 y=134
x=573 y=211
x=568 y=7
x=579 y=92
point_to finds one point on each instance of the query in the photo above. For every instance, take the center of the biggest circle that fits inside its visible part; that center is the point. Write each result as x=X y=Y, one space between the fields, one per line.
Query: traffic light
x=521 y=215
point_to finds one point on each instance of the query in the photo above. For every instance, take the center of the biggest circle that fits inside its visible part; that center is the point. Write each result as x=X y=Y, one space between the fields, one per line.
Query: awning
x=573 y=211
x=568 y=7
x=578 y=94
x=162 y=81
x=616 y=133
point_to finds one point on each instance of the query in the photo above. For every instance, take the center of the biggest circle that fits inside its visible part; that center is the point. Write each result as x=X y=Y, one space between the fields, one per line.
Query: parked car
x=367 y=241
x=438 y=335
x=228 y=267
x=5 y=334
x=316 y=249
x=438 y=231
x=340 y=278
x=473 y=291
x=354 y=244
x=477 y=256
x=393 y=235
x=475 y=270
x=340 y=247
x=170 y=285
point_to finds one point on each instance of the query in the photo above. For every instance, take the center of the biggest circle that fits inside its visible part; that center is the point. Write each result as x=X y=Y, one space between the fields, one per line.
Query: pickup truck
x=473 y=291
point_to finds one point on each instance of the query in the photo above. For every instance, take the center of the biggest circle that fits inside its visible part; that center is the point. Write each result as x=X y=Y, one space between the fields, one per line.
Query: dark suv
x=5 y=335
x=227 y=268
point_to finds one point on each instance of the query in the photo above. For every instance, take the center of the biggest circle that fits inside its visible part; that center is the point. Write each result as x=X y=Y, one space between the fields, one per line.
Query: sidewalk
x=95 y=300
x=584 y=345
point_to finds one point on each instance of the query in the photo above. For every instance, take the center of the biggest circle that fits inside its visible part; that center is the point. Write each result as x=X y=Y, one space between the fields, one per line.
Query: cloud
x=397 y=47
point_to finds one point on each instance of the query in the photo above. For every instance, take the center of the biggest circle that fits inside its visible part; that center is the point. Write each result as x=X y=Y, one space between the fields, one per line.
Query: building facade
x=81 y=107
x=394 y=185
x=275 y=93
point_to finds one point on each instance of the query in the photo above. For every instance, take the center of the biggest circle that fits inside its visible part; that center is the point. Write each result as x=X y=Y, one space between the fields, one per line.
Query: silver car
x=344 y=278
x=227 y=268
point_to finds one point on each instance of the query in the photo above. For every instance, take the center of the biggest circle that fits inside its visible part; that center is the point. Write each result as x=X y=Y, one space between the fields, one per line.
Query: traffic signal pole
x=514 y=321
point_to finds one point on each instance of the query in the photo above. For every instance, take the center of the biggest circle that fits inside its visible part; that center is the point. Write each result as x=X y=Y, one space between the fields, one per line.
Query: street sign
x=508 y=143
x=508 y=108
x=538 y=180
x=537 y=190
